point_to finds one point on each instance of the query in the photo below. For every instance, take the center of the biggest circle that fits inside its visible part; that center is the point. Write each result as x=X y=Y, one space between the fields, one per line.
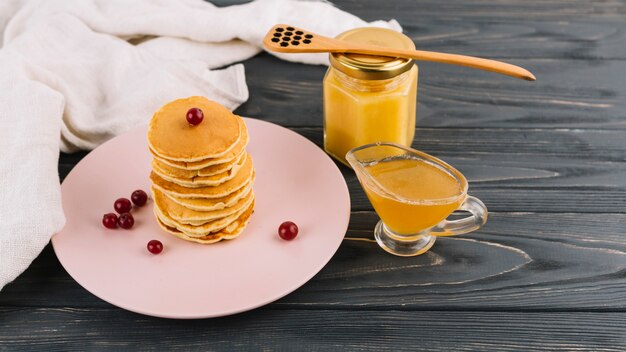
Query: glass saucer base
x=402 y=245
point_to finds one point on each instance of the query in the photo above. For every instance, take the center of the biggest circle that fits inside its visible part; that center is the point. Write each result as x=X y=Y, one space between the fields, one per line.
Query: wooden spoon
x=289 y=39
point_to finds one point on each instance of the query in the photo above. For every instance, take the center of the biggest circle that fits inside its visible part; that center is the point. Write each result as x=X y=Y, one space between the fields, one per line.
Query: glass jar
x=367 y=98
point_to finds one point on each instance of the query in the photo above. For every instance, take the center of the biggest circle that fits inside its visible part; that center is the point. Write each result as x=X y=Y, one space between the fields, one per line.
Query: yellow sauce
x=413 y=195
x=358 y=112
x=369 y=98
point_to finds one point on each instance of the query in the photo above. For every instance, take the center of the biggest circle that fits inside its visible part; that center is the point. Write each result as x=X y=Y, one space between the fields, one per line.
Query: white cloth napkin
x=74 y=73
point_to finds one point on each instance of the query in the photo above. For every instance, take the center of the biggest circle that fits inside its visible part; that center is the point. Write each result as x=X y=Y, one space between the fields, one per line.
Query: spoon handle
x=288 y=39
x=453 y=59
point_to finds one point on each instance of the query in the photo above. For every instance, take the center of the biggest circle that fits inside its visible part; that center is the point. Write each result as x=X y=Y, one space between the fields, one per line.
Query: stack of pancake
x=201 y=175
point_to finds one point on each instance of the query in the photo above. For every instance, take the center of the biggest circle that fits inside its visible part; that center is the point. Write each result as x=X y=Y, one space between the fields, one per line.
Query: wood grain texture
x=547 y=272
x=568 y=94
x=508 y=29
x=538 y=170
x=518 y=261
x=325 y=330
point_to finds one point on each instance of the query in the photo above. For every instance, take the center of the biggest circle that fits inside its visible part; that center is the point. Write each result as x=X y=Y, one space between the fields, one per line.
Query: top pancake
x=170 y=136
x=227 y=157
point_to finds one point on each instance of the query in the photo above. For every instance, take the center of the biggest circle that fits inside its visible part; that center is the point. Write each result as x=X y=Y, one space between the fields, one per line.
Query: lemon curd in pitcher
x=411 y=195
x=414 y=193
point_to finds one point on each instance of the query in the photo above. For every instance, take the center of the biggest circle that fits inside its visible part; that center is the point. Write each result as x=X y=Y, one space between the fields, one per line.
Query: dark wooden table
x=548 y=158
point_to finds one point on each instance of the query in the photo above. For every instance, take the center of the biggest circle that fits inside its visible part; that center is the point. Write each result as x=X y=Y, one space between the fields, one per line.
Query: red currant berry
x=288 y=230
x=122 y=205
x=155 y=247
x=139 y=198
x=109 y=221
x=126 y=221
x=195 y=116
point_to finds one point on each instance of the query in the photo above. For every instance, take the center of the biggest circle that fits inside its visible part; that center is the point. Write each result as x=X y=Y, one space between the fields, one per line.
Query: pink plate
x=295 y=180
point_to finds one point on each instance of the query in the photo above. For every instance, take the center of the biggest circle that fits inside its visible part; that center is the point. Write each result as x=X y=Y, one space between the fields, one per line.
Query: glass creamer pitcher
x=413 y=193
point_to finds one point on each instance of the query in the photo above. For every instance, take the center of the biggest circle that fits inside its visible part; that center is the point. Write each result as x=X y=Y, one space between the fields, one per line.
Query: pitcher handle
x=471 y=223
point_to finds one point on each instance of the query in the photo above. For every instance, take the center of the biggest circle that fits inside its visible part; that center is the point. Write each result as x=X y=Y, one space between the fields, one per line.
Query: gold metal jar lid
x=370 y=67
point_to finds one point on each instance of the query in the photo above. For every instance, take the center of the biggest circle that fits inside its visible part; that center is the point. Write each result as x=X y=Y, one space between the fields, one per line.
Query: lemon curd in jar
x=369 y=98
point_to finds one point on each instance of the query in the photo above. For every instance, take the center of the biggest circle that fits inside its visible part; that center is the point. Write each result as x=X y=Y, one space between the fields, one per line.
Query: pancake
x=210 y=204
x=207 y=171
x=240 y=180
x=202 y=181
x=231 y=231
x=227 y=215
x=202 y=177
x=193 y=217
x=206 y=228
x=171 y=137
x=200 y=164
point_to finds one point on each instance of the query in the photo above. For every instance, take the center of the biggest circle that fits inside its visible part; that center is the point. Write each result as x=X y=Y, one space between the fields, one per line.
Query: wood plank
x=508 y=29
x=543 y=199
x=548 y=272
x=504 y=29
x=517 y=262
x=539 y=185
x=539 y=170
x=549 y=10
x=564 y=144
x=567 y=94
x=327 y=330
x=522 y=261
x=581 y=38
